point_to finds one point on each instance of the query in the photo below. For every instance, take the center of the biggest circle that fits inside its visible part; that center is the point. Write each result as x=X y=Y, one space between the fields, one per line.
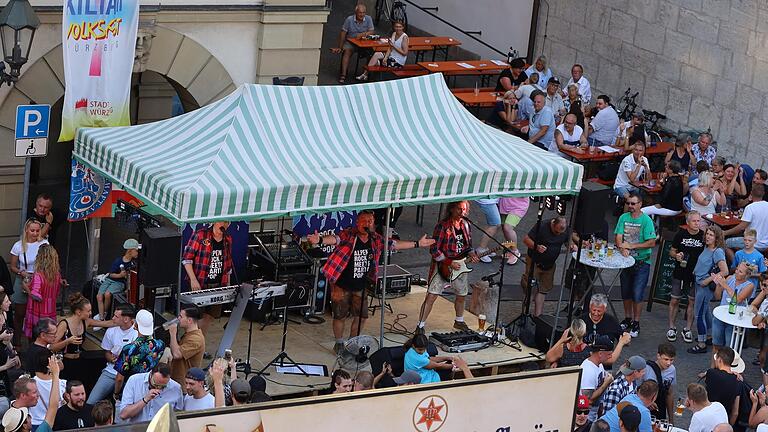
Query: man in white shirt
x=145 y=393
x=44 y=381
x=113 y=342
x=632 y=167
x=554 y=100
x=197 y=398
x=604 y=127
x=706 y=414
x=594 y=379
x=577 y=77
x=755 y=217
x=568 y=136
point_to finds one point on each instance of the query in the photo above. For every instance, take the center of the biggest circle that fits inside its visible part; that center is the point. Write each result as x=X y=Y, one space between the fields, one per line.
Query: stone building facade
x=704 y=63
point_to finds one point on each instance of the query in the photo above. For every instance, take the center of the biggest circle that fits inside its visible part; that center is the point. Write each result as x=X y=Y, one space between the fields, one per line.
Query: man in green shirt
x=635 y=236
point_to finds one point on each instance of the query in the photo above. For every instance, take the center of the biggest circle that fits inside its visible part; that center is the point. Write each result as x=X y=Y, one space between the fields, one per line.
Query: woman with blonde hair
x=44 y=288
x=23 y=257
x=570 y=350
x=706 y=196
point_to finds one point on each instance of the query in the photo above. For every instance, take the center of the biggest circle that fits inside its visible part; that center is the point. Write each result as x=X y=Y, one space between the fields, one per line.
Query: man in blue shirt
x=355 y=26
x=541 y=128
x=644 y=398
x=146 y=393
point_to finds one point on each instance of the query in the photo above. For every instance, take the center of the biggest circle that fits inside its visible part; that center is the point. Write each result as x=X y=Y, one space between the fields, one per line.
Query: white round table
x=740 y=324
x=615 y=262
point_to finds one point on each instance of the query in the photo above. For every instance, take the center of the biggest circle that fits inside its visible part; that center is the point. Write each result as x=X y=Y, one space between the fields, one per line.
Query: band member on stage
x=453 y=241
x=207 y=261
x=353 y=265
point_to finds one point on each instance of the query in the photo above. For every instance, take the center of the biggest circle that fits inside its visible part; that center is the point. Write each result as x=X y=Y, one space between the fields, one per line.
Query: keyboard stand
x=230 y=330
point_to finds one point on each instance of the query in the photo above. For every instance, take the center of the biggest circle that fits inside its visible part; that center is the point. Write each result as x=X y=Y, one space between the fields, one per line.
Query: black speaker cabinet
x=160 y=256
x=544 y=324
x=593 y=202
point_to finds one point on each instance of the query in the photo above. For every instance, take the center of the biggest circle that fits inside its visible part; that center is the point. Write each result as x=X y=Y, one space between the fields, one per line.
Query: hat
x=408 y=377
x=131 y=244
x=145 y=322
x=634 y=363
x=14 y=418
x=582 y=403
x=196 y=374
x=738 y=364
x=240 y=389
x=630 y=416
x=517 y=63
x=553 y=80
x=257 y=384
x=602 y=343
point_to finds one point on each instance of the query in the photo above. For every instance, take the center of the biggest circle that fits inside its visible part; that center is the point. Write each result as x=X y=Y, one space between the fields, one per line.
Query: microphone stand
x=499 y=284
x=525 y=315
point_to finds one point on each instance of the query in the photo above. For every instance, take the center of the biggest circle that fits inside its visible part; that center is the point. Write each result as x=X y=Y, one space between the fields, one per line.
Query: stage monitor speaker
x=159 y=257
x=594 y=202
x=544 y=325
x=321 y=293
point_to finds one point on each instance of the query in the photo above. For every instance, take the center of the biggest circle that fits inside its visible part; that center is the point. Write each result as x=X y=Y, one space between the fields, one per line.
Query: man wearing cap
x=594 y=379
x=642 y=400
x=113 y=342
x=582 y=415
x=115 y=281
x=629 y=418
x=197 y=397
x=631 y=371
x=141 y=355
x=409 y=377
x=554 y=100
x=187 y=352
x=145 y=393
x=241 y=392
x=706 y=414
x=722 y=383
x=511 y=78
x=19 y=419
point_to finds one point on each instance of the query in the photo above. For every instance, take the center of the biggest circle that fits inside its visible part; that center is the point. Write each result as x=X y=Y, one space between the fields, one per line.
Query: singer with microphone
x=353 y=265
x=453 y=241
x=207 y=262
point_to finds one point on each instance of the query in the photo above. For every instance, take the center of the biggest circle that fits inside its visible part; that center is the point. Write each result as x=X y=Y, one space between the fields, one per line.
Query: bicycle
x=629 y=105
x=394 y=13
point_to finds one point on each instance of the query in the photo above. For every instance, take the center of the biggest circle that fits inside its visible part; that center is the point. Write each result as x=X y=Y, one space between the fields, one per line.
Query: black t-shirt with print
x=354 y=277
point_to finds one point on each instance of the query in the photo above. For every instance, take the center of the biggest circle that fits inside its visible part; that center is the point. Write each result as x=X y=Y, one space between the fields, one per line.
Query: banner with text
x=99 y=39
x=541 y=401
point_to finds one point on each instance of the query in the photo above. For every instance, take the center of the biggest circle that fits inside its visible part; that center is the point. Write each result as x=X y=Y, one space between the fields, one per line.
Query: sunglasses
x=632 y=203
x=582 y=412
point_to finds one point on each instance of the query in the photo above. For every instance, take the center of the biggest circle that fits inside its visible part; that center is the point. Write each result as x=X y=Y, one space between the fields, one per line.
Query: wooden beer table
x=482 y=68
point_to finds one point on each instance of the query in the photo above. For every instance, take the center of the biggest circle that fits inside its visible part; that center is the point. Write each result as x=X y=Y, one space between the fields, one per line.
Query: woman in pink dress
x=44 y=288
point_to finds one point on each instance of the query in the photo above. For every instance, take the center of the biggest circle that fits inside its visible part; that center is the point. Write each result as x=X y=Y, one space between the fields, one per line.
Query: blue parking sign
x=32 y=121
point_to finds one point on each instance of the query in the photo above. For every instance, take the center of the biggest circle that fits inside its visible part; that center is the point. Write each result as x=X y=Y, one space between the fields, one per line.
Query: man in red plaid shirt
x=353 y=265
x=207 y=261
x=453 y=241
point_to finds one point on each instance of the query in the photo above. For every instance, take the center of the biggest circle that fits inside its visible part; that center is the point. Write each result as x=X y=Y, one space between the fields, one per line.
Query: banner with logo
x=98 y=40
x=91 y=195
x=541 y=401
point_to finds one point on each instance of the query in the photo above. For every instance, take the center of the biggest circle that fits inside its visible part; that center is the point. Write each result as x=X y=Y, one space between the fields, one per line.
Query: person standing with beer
x=686 y=248
x=453 y=241
x=352 y=265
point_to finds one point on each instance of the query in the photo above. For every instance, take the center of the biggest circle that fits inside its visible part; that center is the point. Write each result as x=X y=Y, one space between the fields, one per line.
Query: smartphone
x=228 y=354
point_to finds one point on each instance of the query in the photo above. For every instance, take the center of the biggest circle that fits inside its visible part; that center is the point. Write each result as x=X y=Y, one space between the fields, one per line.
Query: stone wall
x=703 y=63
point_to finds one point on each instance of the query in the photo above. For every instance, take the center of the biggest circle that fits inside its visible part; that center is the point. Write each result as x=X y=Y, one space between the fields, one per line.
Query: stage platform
x=313 y=343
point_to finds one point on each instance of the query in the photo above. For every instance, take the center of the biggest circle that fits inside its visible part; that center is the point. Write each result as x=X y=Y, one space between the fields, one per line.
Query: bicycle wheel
x=398 y=14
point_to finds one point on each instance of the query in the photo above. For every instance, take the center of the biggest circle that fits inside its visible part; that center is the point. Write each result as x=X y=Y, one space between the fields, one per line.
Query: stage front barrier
x=538 y=401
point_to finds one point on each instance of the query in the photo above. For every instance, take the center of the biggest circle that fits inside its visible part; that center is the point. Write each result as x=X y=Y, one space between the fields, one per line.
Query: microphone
x=368 y=230
x=222 y=229
x=467 y=219
x=490 y=277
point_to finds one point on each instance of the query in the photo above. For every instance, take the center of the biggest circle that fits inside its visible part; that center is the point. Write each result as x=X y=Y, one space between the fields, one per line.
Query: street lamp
x=18 y=23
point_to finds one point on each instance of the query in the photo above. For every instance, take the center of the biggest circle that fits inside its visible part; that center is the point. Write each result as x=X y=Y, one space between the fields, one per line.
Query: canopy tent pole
x=383 y=299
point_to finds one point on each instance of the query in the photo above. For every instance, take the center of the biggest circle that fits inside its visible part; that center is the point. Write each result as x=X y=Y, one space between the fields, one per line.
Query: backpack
x=661 y=396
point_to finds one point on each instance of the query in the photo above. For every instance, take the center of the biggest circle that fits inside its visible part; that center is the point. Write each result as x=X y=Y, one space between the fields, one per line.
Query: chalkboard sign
x=661 y=284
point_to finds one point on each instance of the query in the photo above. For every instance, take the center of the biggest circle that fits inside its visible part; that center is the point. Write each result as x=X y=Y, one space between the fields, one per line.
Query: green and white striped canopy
x=267 y=151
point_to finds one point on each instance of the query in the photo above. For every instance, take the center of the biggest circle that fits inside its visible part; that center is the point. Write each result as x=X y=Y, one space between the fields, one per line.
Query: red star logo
x=430 y=414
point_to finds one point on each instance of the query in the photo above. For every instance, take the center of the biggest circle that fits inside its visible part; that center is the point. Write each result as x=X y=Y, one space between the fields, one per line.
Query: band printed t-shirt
x=355 y=274
x=691 y=245
x=216 y=268
x=461 y=240
x=636 y=231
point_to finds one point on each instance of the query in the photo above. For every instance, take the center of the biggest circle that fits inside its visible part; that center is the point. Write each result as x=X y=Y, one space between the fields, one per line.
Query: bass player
x=453 y=242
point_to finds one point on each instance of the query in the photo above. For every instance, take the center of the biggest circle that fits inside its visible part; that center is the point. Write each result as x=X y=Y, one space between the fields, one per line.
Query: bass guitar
x=450 y=274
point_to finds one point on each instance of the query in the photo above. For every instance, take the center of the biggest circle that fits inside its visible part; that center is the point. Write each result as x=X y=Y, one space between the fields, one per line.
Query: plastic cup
x=481 y=322
x=609 y=253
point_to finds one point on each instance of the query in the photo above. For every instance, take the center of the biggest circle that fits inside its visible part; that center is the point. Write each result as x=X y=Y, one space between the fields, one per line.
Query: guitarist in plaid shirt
x=353 y=265
x=453 y=241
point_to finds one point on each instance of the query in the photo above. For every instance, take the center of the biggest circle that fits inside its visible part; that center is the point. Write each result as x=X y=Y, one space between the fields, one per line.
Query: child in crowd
x=751 y=256
x=114 y=283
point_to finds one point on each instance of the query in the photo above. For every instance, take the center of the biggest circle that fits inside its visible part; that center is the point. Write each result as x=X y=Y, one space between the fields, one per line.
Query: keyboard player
x=207 y=262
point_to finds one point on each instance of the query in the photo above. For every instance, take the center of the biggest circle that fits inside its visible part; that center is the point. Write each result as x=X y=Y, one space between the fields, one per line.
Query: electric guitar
x=450 y=274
